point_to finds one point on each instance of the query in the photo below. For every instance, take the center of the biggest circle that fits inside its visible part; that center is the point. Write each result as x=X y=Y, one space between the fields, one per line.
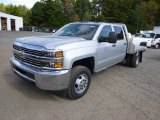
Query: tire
x=79 y=82
x=128 y=60
x=157 y=46
x=135 y=60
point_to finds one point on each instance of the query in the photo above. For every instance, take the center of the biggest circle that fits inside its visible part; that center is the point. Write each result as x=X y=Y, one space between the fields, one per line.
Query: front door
x=106 y=50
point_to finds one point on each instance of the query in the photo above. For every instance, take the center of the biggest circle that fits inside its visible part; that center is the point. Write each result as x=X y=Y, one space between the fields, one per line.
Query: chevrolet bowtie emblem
x=22 y=54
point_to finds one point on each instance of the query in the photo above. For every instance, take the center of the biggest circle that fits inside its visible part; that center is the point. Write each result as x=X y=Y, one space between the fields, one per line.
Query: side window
x=105 y=31
x=157 y=36
x=119 y=32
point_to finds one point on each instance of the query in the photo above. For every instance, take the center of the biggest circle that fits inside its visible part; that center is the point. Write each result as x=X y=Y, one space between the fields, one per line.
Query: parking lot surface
x=118 y=93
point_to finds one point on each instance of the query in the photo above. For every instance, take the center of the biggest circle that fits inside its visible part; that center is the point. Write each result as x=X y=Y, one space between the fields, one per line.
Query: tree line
x=136 y=14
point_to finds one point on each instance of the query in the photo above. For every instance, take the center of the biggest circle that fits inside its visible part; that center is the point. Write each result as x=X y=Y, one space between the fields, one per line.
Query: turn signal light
x=58 y=54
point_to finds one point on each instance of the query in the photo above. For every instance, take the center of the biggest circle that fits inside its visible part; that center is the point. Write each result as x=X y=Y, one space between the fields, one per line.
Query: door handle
x=114 y=45
x=125 y=43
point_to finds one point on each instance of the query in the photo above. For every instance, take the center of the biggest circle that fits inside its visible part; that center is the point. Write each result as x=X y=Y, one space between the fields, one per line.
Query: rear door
x=121 y=45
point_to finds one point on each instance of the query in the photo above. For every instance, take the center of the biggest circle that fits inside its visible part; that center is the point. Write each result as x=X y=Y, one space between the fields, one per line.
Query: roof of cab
x=99 y=23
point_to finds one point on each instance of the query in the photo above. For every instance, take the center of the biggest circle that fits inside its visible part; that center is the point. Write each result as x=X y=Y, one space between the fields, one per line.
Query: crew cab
x=66 y=60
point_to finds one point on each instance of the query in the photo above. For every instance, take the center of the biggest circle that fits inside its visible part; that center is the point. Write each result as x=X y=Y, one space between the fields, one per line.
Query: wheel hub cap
x=81 y=83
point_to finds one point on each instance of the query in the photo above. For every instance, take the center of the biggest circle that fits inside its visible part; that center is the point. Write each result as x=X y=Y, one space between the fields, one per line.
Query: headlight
x=58 y=61
x=49 y=54
x=58 y=54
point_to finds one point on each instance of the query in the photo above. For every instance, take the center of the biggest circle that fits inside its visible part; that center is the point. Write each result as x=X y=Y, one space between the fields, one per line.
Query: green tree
x=81 y=8
x=148 y=14
x=48 y=13
x=68 y=8
x=2 y=7
x=25 y=13
x=12 y=9
x=136 y=14
x=38 y=16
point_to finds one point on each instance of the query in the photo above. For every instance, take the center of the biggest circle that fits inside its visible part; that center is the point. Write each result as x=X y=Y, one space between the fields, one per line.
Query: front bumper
x=46 y=80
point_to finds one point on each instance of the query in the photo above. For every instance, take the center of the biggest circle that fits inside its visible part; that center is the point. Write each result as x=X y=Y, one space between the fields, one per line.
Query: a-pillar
x=0 y=24
x=8 y=24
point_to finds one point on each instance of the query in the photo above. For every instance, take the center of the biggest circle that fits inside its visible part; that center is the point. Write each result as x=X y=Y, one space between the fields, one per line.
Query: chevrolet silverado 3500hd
x=66 y=59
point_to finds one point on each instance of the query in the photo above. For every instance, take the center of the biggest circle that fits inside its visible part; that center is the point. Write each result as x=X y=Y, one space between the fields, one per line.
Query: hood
x=49 y=42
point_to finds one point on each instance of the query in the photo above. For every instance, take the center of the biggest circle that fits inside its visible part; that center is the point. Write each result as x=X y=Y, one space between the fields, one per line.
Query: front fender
x=73 y=55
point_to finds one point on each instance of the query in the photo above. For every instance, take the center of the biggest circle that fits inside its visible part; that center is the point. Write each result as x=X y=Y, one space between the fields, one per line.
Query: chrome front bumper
x=46 y=80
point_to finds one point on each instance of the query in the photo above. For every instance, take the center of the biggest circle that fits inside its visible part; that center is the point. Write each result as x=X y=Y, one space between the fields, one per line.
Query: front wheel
x=79 y=82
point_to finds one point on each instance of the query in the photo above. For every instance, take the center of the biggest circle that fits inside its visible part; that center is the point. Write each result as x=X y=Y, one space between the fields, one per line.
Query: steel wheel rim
x=157 y=46
x=81 y=83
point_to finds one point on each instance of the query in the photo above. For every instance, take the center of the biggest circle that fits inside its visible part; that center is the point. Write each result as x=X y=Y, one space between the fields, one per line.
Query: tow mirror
x=112 y=38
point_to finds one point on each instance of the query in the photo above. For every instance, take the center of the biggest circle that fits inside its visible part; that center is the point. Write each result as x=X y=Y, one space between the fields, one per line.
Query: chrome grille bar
x=29 y=61
x=16 y=47
x=32 y=52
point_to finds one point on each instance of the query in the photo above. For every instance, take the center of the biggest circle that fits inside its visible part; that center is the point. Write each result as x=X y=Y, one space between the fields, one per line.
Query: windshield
x=149 y=35
x=85 y=31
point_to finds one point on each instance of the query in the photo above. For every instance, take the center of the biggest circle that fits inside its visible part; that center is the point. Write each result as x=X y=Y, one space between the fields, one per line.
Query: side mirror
x=112 y=38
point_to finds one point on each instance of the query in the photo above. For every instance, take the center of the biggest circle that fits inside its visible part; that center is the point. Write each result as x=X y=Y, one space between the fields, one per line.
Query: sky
x=27 y=3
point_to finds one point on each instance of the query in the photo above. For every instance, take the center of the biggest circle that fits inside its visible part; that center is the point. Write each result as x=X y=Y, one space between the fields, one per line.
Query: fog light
x=58 y=65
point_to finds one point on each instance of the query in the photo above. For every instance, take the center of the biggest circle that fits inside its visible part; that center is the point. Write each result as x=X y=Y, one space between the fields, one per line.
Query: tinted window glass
x=119 y=32
x=149 y=35
x=157 y=36
x=105 y=31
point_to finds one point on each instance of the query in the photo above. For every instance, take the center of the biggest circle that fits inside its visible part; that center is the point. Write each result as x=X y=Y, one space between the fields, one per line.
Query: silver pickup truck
x=65 y=60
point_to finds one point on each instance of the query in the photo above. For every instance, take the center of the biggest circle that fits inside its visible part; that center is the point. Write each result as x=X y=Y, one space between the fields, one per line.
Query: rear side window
x=119 y=32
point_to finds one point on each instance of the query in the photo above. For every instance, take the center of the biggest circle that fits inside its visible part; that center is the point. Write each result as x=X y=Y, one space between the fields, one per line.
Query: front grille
x=28 y=51
x=32 y=52
x=30 y=61
x=31 y=56
x=16 y=47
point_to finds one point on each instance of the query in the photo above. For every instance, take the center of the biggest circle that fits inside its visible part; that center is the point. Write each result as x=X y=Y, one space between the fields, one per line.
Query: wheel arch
x=88 y=62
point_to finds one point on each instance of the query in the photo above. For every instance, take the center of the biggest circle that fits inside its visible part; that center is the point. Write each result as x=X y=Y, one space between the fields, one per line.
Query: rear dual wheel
x=133 y=60
x=157 y=46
